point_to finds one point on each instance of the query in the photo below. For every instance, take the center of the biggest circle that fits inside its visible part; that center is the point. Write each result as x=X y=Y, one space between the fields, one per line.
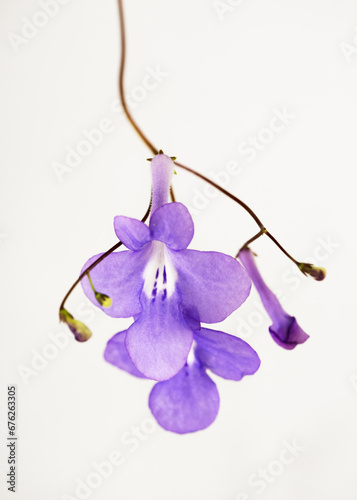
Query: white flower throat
x=160 y=276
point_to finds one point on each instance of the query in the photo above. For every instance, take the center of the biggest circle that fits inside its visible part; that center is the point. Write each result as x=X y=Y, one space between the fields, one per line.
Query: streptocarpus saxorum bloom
x=189 y=401
x=158 y=281
x=285 y=330
x=169 y=291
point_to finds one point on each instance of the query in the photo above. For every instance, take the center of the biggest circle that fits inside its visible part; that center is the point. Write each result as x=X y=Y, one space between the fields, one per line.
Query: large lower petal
x=188 y=402
x=133 y=233
x=173 y=225
x=120 y=276
x=159 y=341
x=226 y=355
x=116 y=354
x=212 y=284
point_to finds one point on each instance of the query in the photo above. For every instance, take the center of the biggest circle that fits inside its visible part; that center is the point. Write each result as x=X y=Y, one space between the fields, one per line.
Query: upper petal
x=116 y=354
x=187 y=402
x=172 y=224
x=212 y=284
x=120 y=276
x=133 y=233
x=226 y=355
x=159 y=341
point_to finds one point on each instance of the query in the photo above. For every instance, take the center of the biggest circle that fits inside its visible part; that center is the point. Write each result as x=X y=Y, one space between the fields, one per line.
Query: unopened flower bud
x=80 y=331
x=318 y=273
x=103 y=299
x=285 y=330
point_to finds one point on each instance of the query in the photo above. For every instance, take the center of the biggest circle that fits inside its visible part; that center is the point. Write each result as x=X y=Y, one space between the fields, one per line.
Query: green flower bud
x=318 y=273
x=103 y=299
x=80 y=331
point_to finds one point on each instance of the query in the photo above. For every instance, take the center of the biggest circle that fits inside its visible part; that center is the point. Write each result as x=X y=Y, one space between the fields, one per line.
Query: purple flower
x=157 y=280
x=189 y=401
x=285 y=330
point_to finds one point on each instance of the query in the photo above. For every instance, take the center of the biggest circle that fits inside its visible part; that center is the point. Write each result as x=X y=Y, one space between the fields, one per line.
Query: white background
x=225 y=75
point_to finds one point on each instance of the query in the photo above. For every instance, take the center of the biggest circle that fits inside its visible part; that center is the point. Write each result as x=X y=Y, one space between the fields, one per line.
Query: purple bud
x=285 y=330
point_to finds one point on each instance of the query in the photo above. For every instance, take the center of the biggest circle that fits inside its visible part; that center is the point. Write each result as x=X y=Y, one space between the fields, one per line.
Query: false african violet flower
x=158 y=281
x=189 y=401
x=285 y=329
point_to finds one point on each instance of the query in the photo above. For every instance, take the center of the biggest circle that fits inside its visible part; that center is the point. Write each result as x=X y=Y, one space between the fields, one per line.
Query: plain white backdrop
x=222 y=70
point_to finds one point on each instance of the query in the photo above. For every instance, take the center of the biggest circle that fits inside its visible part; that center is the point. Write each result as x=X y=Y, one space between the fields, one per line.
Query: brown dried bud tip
x=80 y=331
x=318 y=273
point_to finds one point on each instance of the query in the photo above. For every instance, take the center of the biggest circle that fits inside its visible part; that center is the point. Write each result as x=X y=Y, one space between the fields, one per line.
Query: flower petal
x=187 y=402
x=159 y=341
x=116 y=354
x=120 y=277
x=287 y=333
x=172 y=224
x=285 y=330
x=226 y=355
x=212 y=284
x=133 y=233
